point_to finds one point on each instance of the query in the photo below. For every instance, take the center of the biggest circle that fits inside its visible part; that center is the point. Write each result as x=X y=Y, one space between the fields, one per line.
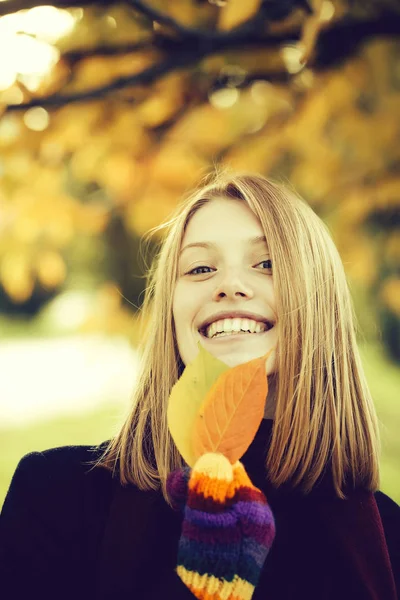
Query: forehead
x=220 y=219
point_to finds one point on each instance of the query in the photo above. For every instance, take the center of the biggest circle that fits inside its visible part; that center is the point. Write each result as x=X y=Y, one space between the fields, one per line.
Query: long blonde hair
x=324 y=412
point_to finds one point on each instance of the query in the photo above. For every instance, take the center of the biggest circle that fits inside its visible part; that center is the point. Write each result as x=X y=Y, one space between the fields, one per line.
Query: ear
x=177 y=487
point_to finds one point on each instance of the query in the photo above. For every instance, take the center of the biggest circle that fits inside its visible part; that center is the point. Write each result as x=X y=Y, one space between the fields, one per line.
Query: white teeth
x=246 y=324
x=236 y=325
x=219 y=325
x=252 y=326
x=228 y=325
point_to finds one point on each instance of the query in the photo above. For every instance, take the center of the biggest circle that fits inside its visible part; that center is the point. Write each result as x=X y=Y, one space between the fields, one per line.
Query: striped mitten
x=227 y=528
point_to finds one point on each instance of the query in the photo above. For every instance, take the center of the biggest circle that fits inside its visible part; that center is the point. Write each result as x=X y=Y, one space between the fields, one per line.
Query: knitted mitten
x=227 y=528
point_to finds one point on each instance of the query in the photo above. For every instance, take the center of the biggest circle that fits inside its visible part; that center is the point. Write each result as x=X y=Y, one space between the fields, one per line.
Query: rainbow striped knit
x=227 y=528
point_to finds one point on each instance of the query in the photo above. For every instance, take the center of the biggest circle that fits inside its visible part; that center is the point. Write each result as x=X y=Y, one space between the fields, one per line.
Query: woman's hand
x=227 y=530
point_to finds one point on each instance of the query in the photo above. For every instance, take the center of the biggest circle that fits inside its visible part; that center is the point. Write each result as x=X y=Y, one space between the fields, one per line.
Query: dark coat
x=68 y=530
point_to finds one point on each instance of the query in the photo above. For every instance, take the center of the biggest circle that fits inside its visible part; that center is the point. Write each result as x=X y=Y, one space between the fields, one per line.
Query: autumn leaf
x=232 y=411
x=186 y=397
x=16 y=275
x=51 y=269
x=236 y=12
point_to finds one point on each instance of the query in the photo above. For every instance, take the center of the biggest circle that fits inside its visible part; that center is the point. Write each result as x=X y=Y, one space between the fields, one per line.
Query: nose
x=231 y=286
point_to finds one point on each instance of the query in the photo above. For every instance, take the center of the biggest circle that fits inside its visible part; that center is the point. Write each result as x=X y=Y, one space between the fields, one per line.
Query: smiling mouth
x=235 y=334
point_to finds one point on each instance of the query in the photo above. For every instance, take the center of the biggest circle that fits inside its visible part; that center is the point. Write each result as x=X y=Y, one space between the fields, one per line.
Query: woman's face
x=235 y=279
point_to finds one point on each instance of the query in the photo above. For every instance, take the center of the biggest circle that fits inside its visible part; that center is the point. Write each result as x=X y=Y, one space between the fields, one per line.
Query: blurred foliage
x=306 y=92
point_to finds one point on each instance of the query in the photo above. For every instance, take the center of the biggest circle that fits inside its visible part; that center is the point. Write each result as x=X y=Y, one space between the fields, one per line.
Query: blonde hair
x=324 y=413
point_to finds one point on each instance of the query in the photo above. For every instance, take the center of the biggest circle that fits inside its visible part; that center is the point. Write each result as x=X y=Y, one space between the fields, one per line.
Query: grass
x=94 y=427
x=384 y=381
x=88 y=428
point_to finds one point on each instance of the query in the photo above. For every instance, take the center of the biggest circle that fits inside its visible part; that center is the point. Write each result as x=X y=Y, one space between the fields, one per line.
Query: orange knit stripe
x=241 y=477
x=220 y=489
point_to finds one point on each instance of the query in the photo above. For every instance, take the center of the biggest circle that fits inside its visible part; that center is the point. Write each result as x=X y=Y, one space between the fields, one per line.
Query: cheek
x=180 y=308
x=185 y=300
x=177 y=299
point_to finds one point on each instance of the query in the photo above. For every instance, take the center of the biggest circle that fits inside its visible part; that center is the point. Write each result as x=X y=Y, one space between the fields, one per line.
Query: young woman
x=246 y=267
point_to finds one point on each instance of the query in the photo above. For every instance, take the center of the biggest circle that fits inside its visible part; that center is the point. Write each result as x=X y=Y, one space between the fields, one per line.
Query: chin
x=235 y=359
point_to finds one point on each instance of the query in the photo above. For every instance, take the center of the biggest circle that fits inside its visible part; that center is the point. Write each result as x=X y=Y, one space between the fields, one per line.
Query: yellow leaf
x=153 y=206
x=166 y=99
x=232 y=411
x=93 y=219
x=16 y=276
x=206 y=129
x=51 y=269
x=120 y=175
x=186 y=397
x=127 y=132
x=59 y=228
x=236 y=12
x=185 y=12
x=85 y=162
x=99 y=70
x=176 y=166
x=25 y=229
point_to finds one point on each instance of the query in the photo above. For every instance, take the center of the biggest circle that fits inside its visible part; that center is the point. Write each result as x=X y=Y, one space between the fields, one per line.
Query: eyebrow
x=253 y=241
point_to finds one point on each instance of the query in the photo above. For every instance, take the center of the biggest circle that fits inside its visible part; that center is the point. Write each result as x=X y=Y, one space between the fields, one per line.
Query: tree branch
x=146 y=77
x=253 y=26
x=163 y=19
x=181 y=54
x=74 y=56
x=333 y=46
x=342 y=40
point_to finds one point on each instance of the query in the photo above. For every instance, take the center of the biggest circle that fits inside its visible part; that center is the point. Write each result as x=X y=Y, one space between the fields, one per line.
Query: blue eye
x=192 y=272
x=267 y=260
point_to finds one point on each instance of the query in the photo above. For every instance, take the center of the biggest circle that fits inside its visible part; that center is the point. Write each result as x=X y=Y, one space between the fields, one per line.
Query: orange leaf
x=232 y=411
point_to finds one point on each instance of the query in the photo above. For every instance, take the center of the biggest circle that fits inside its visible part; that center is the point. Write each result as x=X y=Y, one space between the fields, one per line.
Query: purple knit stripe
x=203 y=519
x=248 y=513
x=262 y=534
x=253 y=511
x=227 y=526
x=219 y=535
x=177 y=486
